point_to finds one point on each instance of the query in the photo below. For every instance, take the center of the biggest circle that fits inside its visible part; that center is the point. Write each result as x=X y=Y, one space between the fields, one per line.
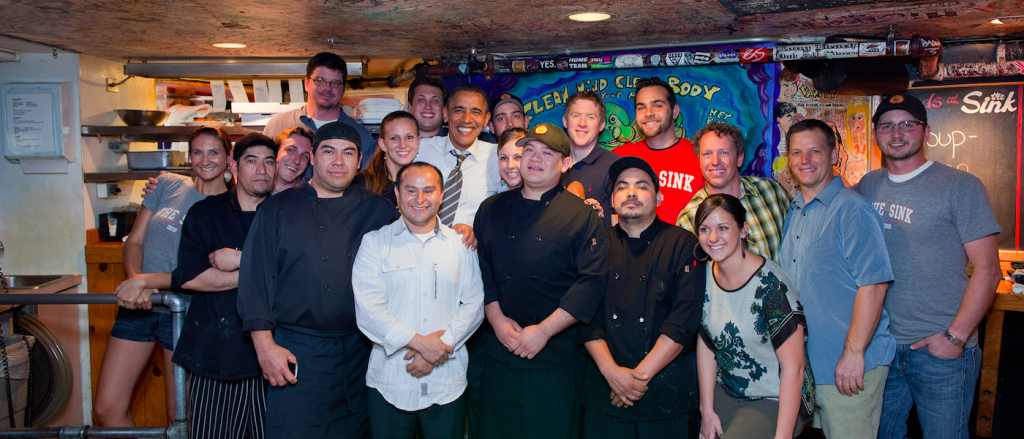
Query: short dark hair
x=431 y=81
x=587 y=95
x=330 y=61
x=654 y=81
x=215 y=131
x=815 y=124
x=396 y=115
x=401 y=173
x=252 y=140
x=470 y=88
x=298 y=131
x=728 y=203
x=721 y=129
x=782 y=109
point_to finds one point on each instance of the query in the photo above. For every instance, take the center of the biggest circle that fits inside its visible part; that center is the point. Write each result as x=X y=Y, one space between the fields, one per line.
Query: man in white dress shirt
x=468 y=165
x=419 y=296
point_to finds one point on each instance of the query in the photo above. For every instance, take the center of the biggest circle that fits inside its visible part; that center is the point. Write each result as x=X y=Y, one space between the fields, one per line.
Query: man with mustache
x=227 y=394
x=639 y=383
x=673 y=158
x=295 y=294
x=324 y=84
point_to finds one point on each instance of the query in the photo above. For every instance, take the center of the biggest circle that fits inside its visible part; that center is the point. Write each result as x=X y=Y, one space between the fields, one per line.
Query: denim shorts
x=143 y=325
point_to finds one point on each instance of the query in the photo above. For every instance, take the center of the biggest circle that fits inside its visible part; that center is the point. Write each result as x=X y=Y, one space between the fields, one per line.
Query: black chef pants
x=601 y=426
x=434 y=422
x=530 y=403
x=330 y=398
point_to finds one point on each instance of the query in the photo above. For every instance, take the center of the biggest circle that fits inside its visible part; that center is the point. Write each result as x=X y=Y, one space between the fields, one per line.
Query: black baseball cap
x=337 y=130
x=552 y=136
x=629 y=162
x=250 y=140
x=904 y=102
x=503 y=98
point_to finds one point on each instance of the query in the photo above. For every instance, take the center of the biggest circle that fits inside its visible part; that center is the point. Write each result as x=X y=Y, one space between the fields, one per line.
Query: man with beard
x=227 y=395
x=720 y=149
x=544 y=260
x=640 y=383
x=937 y=220
x=295 y=294
x=293 y=150
x=506 y=112
x=584 y=121
x=324 y=83
x=672 y=157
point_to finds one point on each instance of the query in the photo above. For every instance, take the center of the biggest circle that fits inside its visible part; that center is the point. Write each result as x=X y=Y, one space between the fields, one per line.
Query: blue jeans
x=942 y=388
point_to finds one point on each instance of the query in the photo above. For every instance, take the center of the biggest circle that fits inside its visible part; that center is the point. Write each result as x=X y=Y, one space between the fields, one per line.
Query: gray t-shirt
x=170 y=201
x=928 y=219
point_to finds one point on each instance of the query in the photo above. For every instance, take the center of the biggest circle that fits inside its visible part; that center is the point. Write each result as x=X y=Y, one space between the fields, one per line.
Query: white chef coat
x=404 y=286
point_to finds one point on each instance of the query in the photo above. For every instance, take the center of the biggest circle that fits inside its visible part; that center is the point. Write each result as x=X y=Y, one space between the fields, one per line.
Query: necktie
x=452 y=189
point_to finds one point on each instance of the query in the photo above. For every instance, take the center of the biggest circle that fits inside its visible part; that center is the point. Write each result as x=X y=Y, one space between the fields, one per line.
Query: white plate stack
x=373 y=110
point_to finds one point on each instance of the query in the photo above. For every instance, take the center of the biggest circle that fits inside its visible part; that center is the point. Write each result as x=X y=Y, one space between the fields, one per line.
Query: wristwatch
x=953 y=339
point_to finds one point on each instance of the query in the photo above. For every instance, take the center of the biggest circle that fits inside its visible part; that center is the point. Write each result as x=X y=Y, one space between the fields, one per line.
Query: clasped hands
x=426 y=353
x=628 y=385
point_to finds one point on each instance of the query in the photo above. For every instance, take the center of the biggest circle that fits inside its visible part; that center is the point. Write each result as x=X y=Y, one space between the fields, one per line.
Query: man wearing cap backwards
x=640 y=384
x=937 y=219
x=833 y=248
x=295 y=294
x=506 y=112
x=324 y=84
x=544 y=260
x=227 y=394
x=720 y=150
x=418 y=297
x=584 y=120
x=672 y=156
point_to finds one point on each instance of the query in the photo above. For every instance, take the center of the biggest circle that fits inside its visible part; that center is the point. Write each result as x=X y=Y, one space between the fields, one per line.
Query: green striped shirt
x=766 y=203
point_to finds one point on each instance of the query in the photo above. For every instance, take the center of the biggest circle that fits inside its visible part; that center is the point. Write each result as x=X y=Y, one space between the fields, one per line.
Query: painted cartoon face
x=618 y=129
x=856 y=122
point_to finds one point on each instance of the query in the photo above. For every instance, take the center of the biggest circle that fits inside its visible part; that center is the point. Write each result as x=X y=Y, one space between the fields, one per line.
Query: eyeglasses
x=905 y=126
x=321 y=82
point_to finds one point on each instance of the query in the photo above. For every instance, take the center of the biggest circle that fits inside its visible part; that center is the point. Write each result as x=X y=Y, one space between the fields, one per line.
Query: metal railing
x=177 y=430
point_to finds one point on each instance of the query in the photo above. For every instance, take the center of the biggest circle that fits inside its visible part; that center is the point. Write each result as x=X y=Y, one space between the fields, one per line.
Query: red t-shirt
x=678 y=173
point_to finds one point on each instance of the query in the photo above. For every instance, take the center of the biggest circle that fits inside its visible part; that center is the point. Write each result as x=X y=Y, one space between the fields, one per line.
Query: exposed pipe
x=929 y=49
x=981 y=70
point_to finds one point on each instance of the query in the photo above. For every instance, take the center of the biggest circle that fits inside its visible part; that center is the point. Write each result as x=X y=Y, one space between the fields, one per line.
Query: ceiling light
x=229 y=45
x=996 y=21
x=590 y=17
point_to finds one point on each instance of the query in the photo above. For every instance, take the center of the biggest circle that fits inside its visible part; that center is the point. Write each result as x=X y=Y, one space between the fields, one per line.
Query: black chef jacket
x=655 y=287
x=212 y=343
x=388 y=191
x=297 y=265
x=592 y=173
x=537 y=256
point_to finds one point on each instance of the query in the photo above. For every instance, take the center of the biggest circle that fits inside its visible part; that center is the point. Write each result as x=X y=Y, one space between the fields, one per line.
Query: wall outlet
x=110 y=85
x=107 y=190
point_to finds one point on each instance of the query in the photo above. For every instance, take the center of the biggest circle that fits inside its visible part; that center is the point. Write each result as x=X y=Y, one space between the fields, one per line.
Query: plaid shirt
x=766 y=203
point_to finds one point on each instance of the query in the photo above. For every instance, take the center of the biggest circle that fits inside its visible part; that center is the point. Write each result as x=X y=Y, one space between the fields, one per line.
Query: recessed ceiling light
x=996 y=21
x=229 y=45
x=590 y=17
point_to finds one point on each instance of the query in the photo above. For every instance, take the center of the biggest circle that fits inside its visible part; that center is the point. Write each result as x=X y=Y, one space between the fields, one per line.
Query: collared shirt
x=212 y=343
x=297 y=265
x=592 y=173
x=484 y=135
x=298 y=118
x=766 y=203
x=403 y=287
x=655 y=287
x=480 y=178
x=832 y=246
x=537 y=256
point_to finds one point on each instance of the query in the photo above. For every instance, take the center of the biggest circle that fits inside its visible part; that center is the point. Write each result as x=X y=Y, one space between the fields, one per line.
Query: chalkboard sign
x=978 y=129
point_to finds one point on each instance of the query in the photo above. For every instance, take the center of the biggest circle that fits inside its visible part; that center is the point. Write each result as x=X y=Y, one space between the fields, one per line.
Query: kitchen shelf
x=113 y=176
x=159 y=134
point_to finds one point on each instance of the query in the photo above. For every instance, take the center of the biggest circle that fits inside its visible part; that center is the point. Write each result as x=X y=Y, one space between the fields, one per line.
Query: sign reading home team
x=728 y=92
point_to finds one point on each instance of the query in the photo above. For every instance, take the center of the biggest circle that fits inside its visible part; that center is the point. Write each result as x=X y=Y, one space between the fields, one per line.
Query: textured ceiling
x=432 y=28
